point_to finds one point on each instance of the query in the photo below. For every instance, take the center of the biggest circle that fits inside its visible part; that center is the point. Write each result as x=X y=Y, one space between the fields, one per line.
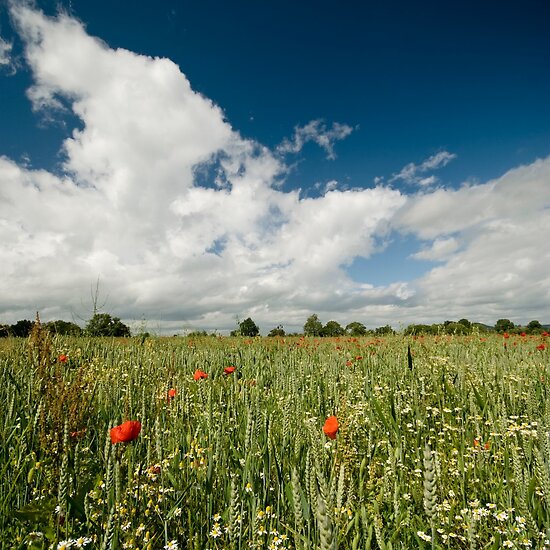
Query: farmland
x=447 y=447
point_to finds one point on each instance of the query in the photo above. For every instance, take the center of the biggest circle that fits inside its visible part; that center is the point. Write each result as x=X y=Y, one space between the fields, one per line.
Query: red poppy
x=331 y=427
x=506 y=335
x=199 y=374
x=127 y=431
x=229 y=370
x=63 y=358
x=172 y=392
x=348 y=363
x=541 y=347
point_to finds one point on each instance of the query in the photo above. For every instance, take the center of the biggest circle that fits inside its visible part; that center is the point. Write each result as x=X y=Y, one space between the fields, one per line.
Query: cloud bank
x=130 y=206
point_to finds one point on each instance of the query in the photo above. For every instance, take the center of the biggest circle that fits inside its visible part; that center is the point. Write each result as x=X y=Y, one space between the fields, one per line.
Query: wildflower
x=229 y=370
x=64 y=544
x=541 y=347
x=63 y=358
x=172 y=545
x=81 y=542
x=423 y=536
x=331 y=427
x=216 y=531
x=128 y=431
x=199 y=374
x=172 y=392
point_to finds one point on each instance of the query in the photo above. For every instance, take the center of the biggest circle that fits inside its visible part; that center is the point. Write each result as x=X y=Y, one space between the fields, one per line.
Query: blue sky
x=387 y=161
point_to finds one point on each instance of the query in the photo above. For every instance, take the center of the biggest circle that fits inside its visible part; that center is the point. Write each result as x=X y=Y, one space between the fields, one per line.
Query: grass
x=451 y=453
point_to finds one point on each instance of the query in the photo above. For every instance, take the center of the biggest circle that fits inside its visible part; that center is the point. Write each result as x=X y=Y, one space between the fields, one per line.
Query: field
x=446 y=448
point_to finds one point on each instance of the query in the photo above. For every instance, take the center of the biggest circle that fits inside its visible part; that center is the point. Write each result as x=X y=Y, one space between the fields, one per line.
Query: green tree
x=332 y=328
x=277 y=331
x=504 y=325
x=313 y=327
x=534 y=327
x=466 y=323
x=102 y=324
x=22 y=328
x=248 y=328
x=64 y=328
x=385 y=330
x=4 y=331
x=356 y=329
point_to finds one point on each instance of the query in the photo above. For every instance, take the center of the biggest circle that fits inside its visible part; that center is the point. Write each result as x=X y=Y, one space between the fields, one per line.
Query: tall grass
x=446 y=448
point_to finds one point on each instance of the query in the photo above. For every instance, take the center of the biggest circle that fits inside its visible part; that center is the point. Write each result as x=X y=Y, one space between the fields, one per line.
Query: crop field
x=157 y=444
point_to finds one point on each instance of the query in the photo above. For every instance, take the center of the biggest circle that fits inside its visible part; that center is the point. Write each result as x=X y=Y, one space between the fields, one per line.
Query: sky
x=191 y=164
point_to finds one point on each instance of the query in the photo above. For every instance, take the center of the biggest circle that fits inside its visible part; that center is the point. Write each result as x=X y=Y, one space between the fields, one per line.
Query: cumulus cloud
x=129 y=208
x=411 y=173
x=500 y=267
x=133 y=205
x=317 y=132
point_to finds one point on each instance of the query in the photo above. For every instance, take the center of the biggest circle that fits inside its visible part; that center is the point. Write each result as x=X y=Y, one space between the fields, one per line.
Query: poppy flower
x=331 y=427
x=63 y=358
x=541 y=347
x=172 y=392
x=229 y=370
x=127 y=431
x=199 y=374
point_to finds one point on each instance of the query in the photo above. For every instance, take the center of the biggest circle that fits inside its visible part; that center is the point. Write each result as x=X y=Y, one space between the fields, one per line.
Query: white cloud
x=6 y=54
x=500 y=268
x=410 y=172
x=128 y=208
x=316 y=131
x=439 y=250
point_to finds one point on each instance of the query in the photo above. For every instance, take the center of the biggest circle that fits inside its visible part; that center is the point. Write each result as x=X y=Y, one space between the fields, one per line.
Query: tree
x=65 y=328
x=313 y=327
x=534 y=327
x=102 y=324
x=4 y=331
x=504 y=325
x=248 y=328
x=466 y=323
x=22 y=328
x=277 y=331
x=356 y=329
x=382 y=331
x=332 y=328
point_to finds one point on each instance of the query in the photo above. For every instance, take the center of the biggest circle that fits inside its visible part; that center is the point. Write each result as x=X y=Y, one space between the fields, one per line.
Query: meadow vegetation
x=437 y=442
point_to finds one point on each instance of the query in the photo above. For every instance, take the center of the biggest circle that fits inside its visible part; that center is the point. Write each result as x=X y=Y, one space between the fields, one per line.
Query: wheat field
x=445 y=446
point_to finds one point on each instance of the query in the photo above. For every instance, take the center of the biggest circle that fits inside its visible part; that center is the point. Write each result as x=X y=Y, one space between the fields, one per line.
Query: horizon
x=382 y=164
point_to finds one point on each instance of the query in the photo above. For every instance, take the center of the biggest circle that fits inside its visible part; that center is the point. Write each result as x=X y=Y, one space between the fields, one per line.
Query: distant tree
x=332 y=328
x=277 y=331
x=417 y=329
x=313 y=327
x=64 y=328
x=504 y=325
x=102 y=324
x=4 y=331
x=383 y=331
x=21 y=329
x=248 y=328
x=466 y=323
x=356 y=329
x=534 y=327
x=456 y=328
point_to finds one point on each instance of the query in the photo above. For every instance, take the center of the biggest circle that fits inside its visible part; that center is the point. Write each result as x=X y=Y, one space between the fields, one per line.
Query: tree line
x=103 y=324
